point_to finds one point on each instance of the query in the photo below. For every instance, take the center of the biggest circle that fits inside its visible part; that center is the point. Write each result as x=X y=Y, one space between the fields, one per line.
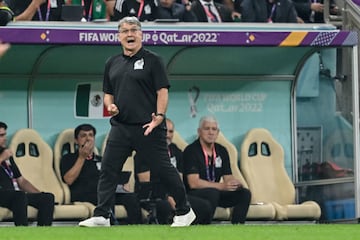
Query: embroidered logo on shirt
x=132 y=11
x=139 y=64
x=218 y=162
x=147 y=9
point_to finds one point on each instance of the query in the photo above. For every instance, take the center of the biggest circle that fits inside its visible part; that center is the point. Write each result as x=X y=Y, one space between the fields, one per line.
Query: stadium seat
x=65 y=143
x=34 y=158
x=262 y=164
x=256 y=211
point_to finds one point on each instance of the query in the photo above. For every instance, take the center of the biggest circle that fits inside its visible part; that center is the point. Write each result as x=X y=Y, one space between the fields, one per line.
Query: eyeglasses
x=131 y=30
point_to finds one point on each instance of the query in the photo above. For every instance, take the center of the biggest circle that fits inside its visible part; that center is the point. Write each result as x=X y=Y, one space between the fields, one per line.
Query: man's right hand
x=113 y=109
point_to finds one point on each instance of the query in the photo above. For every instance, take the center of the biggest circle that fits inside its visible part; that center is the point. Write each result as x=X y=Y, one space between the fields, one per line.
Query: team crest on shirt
x=147 y=9
x=139 y=64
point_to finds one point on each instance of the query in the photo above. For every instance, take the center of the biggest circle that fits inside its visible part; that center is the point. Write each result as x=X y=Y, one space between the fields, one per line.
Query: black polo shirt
x=84 y=188
x=134 y=82
x=5 y=180
x=194 y=162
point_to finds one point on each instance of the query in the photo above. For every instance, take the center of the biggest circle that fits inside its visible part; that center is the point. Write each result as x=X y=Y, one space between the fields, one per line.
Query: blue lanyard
x=7 y=169
x=212 y=177
x=272 y=12
x=47 y=12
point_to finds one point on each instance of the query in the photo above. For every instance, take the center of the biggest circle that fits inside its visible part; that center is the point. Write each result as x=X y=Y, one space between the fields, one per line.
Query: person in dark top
x=136 y=96
x=271 y=11
x=205 y=163
x=16 y=192
x=210 y=11
x=80 y=170
x=144 y=10
x=36 y=10
x=165 y=208
x=170 y=9
x=312 y=11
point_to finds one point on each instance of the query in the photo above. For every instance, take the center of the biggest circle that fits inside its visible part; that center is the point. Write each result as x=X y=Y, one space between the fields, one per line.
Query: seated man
x=165 y=209
x=80 y=170
x=205 y=162
x=16 y=192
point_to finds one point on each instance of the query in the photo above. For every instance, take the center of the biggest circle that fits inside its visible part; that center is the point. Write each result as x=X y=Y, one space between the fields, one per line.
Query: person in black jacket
x=170 y=9
x=272 y=11
x=312 y=11
x=210 y=11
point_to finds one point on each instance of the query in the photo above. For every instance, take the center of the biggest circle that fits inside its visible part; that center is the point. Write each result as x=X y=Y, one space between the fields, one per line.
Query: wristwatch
x=160 y=114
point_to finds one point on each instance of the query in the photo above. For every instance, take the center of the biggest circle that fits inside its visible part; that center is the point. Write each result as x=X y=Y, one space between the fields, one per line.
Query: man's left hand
x=156 y=120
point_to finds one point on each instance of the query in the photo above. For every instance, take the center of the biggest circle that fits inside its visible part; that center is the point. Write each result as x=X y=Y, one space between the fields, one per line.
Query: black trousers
x=239 y=200
x=17 y=202
x=122 y=140
x=132 y=206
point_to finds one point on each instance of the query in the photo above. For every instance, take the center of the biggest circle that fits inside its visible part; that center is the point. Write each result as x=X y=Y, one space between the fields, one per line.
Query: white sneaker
x=184 y=220
x=95 y=222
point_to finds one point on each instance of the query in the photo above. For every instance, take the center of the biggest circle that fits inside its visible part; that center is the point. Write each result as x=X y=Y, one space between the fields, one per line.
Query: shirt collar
x=204 y=3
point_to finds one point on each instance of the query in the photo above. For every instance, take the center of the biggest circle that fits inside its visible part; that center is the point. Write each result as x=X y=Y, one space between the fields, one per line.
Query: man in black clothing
x=144 y=10
x=136 y=95
x=80 y=170
x=36 y=10
x=270 y=11
x=170 y=9
x=205 y=163
x=201 y=207
x=16 y=192
x=312 y=11
x=211 y=11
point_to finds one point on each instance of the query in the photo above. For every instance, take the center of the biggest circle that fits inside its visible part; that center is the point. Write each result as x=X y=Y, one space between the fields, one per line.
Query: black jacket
x=198 y=9
x=177 y=11
x=303 y=8
x=260 y=11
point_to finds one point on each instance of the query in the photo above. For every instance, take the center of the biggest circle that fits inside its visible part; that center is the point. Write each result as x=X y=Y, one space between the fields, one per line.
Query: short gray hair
x=208 y=119
x=129 y=20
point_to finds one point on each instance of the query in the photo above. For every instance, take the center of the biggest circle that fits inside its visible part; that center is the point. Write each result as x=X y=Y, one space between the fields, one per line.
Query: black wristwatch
x=160 y=114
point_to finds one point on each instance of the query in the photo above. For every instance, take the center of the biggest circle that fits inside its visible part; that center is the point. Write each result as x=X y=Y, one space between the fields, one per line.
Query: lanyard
x=7 y=169
x=212 y=177
x=140 y=9
x=47 y=12
x=272 y=13
x=10 y=173
x=90 y=9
